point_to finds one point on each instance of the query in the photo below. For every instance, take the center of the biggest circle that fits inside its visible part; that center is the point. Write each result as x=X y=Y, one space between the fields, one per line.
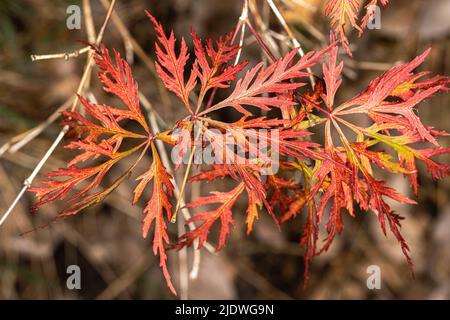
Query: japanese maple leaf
x=285 y=140
x=346 y=174
x=170 y=66
x=155 y=208
x=345 y=12
x=260 y=81
x=99 y=135
x=213 y=62
x=223 y=212
x=341 y=13
x=212 y=67
x=253 y=185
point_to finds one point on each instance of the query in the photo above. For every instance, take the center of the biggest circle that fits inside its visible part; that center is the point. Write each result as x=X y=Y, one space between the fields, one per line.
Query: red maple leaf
x=208 y=218
x=158 y=203
x=345 y=12
x=99 y=136
x=346 y=174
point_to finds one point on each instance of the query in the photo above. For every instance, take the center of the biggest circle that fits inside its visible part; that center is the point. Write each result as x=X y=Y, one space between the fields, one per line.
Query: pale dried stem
x=64 y=55
x=28 y=181
x=183 y=267
x=18 y=142
x=262 y=23
x=242 y=22
x=89 y=21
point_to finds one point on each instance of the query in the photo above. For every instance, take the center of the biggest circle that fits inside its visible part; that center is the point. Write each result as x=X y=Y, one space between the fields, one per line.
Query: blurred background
x=105 y=241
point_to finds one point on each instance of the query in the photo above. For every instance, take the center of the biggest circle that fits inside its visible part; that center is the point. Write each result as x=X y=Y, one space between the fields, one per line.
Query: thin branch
x=65 y=55
x=89 y=21
x=18 y=142
x=242 y=22
x=261 y=42
x=262 y=22
x=28 y=181
x=183 y=265
x=183 y=185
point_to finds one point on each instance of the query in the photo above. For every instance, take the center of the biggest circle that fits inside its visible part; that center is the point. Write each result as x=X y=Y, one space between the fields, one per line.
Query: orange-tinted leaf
x=208 y=218
x=99 y=136
x=211 y=61
x=158 y=204
x=170 y=66
x=341 y=13
x=273 y=79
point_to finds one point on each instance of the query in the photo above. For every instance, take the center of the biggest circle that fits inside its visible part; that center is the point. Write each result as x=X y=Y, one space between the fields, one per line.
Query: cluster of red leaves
x=337 y=173
x=347 y=175
x=344 y=12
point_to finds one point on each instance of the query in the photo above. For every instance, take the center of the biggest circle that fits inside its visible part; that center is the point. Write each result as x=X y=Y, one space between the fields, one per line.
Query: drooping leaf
x=223 y=213
x=341 y=13
x=158 y=209
x=344 y=16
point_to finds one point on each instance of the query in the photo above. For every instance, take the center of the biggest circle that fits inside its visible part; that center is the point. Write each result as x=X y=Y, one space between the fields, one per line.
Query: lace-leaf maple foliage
x=344 y=14
x=337 y=174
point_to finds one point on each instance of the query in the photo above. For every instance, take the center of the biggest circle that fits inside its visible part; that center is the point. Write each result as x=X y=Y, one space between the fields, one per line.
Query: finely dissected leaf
x=374 y=101
x=155 y=208
x=208 y=218
x=309 y=240
x=346 y=174
x=258 y=81
x=331 y=74
x=53 y=189
x=213 y=70
x=170 y=66
x=255 y=188
x=118 y=79
x=98 y=137
x=345 y=12
x=342 y=12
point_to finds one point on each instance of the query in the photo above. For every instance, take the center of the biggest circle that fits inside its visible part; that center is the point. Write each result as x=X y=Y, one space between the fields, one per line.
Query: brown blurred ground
x=106 y=241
